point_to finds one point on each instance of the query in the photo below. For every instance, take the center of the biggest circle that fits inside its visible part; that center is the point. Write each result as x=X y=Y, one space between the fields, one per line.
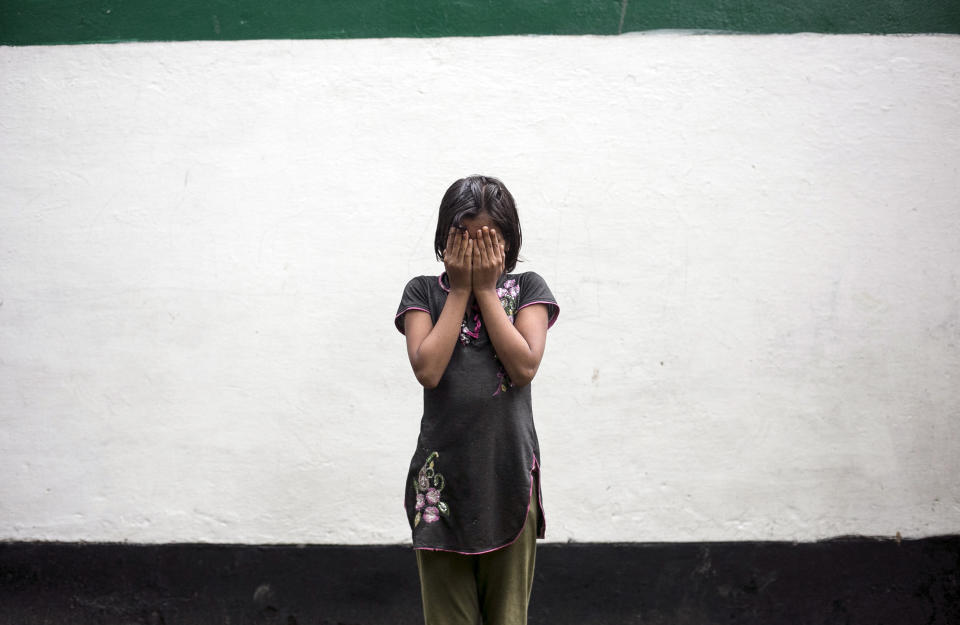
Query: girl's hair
x=478 y=195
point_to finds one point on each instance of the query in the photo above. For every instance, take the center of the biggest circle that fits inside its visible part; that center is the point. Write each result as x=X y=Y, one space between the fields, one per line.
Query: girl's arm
x=519 y=345
x=429 y=346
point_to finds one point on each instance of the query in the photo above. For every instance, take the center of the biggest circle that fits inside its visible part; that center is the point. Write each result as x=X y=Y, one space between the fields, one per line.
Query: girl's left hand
x=488 y=260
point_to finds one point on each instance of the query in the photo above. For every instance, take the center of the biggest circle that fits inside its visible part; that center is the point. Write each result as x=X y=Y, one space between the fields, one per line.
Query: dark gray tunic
x=471 y=477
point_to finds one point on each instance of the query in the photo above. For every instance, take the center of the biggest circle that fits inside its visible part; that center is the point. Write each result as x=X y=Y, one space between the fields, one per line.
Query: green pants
x=491 y=588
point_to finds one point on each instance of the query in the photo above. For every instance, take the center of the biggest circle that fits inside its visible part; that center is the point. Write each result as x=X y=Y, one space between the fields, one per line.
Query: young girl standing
x=475 y=336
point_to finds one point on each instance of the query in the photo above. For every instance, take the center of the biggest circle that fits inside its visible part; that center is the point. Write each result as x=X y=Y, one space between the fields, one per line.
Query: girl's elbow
x=524 y=377
x=427 y=379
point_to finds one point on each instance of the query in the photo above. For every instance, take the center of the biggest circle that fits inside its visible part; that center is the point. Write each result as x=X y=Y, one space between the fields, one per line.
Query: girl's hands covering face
x=458 y=259
x=488 y=259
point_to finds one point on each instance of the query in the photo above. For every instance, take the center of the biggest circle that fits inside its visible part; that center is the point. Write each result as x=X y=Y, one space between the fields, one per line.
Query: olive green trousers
x=489 y=589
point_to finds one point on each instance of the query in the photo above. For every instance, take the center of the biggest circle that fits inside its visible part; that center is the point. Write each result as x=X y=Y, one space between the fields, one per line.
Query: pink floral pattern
x=470 y=326
x=508 y=294
x=503 y=379
x=468 y=336
x=428 y=485
x=508 y=297
x=431 y=515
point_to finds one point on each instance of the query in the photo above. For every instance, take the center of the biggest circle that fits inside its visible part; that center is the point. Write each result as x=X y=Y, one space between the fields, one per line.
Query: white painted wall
x=755 y=241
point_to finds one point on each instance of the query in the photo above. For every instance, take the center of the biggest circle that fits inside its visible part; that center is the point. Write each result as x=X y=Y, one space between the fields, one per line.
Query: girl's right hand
x=458 y=259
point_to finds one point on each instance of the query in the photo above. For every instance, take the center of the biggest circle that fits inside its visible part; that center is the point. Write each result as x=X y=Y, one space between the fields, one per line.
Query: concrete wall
x=755 y=241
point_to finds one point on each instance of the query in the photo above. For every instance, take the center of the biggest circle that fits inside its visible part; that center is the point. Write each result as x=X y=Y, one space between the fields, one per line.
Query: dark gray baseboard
x=849 y=580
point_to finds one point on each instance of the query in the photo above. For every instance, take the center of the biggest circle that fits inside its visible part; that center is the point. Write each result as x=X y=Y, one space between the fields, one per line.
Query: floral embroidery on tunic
x=508 y=294
x=504 y=382
x=468 y=336
x=508 y=299
x=428 y=485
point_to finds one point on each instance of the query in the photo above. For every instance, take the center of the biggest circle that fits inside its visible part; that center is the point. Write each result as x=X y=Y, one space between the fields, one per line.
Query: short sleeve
x=416 y=296
x=534 y=290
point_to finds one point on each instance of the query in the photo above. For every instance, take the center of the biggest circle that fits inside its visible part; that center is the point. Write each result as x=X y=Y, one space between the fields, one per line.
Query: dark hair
x=479 y=195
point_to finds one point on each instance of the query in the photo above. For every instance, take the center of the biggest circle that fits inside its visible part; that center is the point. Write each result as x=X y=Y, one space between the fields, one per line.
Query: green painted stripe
x=794 y=16
x=31 y=22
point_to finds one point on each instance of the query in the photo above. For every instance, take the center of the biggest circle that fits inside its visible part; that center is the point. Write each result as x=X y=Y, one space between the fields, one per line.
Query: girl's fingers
x=449 y=248
x=501 y=251
x=497 y=247
x=454 y=245
x=469 y=251
x=483 y=239
x=501 y=254
x=465 y=245
x=460 y=246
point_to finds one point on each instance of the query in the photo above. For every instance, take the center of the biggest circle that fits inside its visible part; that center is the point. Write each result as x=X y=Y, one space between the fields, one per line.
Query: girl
x=475 y=336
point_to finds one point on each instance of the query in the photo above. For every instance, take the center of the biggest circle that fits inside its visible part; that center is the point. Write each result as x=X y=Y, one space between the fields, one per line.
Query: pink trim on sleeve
x=556 y=310
x=440 y=282
x=399 y=327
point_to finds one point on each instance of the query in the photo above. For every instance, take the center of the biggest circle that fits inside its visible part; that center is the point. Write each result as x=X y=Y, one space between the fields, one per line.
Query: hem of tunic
x=536 y=466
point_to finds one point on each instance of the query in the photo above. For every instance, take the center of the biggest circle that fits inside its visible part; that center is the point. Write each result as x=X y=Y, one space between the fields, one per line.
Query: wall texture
x=755 y=241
